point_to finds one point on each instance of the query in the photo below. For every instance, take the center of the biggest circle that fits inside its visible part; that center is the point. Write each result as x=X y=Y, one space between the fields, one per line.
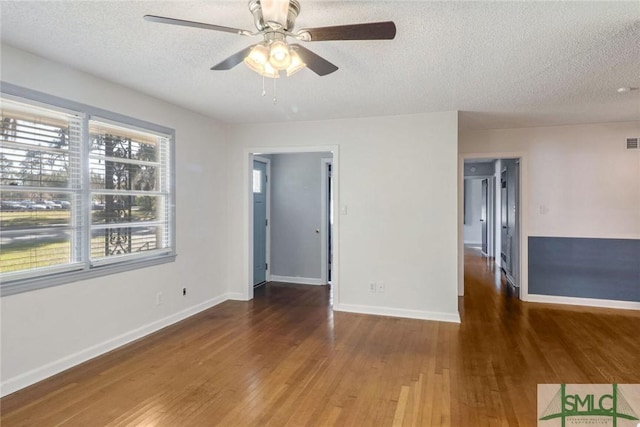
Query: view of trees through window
x=36 y=224
x=124 y=169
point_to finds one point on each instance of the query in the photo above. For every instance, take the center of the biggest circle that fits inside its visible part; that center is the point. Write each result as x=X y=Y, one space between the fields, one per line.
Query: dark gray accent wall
x=585 y=267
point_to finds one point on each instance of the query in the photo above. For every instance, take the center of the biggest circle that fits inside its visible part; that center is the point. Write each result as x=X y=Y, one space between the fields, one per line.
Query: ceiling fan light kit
x=269 y=60
x=272 y=55
x=274 y=18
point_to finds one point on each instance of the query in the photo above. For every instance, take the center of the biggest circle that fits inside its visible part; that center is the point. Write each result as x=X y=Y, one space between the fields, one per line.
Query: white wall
x=473 y=226
x=48 y=330
x=296 y=215
x=397 y=178
x=582 y=182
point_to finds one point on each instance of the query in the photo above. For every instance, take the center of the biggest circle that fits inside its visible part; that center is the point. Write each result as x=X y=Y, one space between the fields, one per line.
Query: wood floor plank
x=401 y=407
x=286 y=359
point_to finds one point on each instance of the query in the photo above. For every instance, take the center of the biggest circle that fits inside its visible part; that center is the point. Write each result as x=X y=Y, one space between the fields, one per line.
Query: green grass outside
x=99 y=217
x=27 y=219
x=49 y=218
x=34 y=254
x=24 y=255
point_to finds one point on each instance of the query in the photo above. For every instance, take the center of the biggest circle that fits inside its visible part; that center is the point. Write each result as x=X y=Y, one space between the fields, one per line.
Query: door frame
x=485 y=189
x=491 y=211
x=324 y=219
x=247 y=241
x=522 y=215
x=491 y=226
x=267 y=256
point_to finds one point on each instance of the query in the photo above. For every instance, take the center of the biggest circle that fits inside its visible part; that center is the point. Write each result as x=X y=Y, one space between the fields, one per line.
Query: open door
x=510 y=250
x=259 y=223
x=483 y=216
x=326 y=220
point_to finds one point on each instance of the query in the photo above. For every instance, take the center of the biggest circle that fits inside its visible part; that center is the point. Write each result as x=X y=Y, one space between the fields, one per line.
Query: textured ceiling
x=503 y=64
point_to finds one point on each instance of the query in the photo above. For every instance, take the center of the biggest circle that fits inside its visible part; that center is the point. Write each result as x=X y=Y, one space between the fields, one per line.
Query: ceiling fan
x=275 y=20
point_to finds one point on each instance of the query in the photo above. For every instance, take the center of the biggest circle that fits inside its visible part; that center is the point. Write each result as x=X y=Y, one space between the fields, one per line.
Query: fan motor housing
x=256 y=10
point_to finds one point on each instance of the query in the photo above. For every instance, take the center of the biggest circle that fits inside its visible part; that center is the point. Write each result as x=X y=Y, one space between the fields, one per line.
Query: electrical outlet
x=184 y=291
x=380 y=286
x=372 y=286
x=159 y=298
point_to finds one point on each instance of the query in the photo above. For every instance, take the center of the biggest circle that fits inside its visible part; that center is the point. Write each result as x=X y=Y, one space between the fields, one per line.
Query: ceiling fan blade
x=233 y=60
x=173 y=21
x=371 y=31
x=315 y=63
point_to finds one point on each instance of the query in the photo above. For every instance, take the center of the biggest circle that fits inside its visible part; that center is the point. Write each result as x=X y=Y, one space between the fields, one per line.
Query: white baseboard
x=298 y=280
x=398 y=312
x=473 y=243
x=31 y=377
x=236 y=296
x=589 y=302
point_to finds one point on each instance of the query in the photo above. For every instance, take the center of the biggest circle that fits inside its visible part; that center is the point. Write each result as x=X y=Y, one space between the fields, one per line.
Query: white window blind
x=40 y=211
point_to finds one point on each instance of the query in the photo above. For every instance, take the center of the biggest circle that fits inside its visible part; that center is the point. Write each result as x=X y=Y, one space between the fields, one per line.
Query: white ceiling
x=503 y=64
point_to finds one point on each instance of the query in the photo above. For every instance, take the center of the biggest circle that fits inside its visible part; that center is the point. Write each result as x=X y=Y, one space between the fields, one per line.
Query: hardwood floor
x=285 y=359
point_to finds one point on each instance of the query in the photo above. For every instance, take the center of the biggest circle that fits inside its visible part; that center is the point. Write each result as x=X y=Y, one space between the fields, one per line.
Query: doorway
x=282 y=245
x=492 y=216
x=478 y=227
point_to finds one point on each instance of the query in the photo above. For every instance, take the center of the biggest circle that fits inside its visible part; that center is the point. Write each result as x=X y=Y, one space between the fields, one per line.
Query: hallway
x=511 y=346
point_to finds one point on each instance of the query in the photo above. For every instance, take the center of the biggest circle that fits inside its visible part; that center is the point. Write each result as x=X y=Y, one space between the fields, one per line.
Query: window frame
x=89 y=270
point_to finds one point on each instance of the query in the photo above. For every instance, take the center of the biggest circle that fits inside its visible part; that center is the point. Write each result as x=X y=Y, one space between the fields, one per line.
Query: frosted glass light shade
x=279 y=56
x=269 y=71
x=257 y=58
x=296 y=64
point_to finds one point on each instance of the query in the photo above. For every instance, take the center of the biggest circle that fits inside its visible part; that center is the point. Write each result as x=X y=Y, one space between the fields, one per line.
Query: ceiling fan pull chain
x=264 y=92
x=275 y=99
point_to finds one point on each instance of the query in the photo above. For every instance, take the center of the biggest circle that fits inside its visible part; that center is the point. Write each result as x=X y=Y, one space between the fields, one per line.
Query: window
x=129 y=191
x=39 y=157
x=257 y=181
x=83 y=192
